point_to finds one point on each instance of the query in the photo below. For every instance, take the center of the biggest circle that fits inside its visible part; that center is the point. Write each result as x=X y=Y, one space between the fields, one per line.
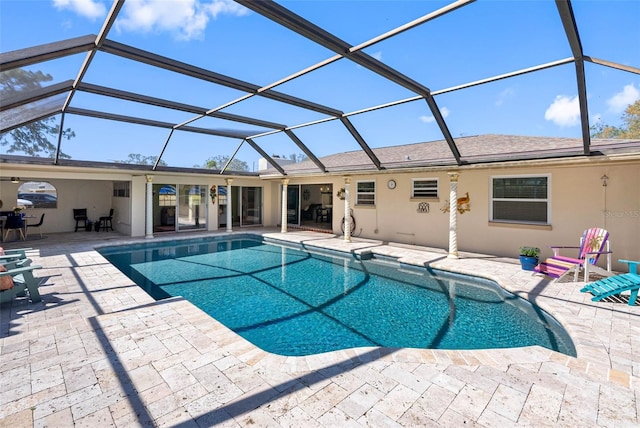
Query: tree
x=219 y=161
x=32 y=138
x=631 y=117
x=630 y=128
x=138 y=159
x=298 y=157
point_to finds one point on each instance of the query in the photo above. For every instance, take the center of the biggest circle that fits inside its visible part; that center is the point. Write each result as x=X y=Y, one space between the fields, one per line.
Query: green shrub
x=530 y=251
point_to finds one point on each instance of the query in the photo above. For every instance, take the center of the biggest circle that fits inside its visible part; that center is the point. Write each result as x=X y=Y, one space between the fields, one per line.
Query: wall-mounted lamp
x=15 y=180
x=604 y=179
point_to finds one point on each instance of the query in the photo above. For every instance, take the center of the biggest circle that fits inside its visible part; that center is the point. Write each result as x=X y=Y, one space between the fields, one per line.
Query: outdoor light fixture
x=15 y=180
x=604 y=179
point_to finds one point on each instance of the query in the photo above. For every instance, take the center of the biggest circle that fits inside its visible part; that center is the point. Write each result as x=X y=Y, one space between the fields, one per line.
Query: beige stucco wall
x=578 y=201
x=93 y=195
x=93 y=189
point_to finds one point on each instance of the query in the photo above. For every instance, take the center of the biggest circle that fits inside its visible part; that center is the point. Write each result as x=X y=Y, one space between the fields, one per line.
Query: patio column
x=229 y=204
x=283 y=227
x=453 y=215
x=347 y=210
x=149 y=207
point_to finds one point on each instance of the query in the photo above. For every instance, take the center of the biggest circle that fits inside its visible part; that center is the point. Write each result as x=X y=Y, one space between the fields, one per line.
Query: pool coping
x=368 y=252
x=508 y=275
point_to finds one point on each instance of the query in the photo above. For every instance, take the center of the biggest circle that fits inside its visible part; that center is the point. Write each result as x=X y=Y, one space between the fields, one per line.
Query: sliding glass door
x=246 y=206
x=251 y=206
x=192 y=207
x=293 y=204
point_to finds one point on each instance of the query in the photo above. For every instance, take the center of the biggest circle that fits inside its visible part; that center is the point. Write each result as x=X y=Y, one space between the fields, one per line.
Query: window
x=425 y=188
x=222 y=195
x=121 y=189
x=37 y=194
x=167 y=196
x=520 y=199
x=366 y=193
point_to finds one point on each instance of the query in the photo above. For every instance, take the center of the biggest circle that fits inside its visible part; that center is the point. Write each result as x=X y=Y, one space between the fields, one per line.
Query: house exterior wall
x=138 y=197
x=93 y=189
x=578 y=201
x=93 y=195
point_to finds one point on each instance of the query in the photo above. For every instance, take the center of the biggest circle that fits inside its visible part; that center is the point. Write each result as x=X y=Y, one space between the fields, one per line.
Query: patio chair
x=80 y=215
x=104 y=222
x=14 y=223
x=615 y=285
x=16 y=278
x=29 y=226
x=593 y=243
x=9 y=258
x=15 y=253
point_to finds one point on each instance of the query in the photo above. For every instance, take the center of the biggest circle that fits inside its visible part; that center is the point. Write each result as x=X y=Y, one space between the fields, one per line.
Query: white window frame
x=38 y=187
x=121 y=189
x=359 y=194
x=418 y=180
x=546 y=200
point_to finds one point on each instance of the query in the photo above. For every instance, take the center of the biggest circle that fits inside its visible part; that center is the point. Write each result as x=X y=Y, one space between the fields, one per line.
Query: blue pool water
x=292 y=302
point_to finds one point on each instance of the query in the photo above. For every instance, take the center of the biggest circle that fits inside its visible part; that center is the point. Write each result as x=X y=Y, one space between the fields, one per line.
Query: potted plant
x=529 y=257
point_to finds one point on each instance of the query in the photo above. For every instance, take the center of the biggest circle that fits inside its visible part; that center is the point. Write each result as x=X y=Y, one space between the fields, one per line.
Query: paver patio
x=98 y=351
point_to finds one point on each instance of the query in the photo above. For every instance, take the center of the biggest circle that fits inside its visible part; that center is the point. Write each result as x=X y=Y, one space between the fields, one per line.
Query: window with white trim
x=121 y=189
x=167 y=196
x=366 y=193
x=424 y=188
x=520 y=199
x=37 y=194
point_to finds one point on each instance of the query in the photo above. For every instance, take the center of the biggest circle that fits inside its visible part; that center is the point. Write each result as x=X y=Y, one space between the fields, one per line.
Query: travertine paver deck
x=99 y=351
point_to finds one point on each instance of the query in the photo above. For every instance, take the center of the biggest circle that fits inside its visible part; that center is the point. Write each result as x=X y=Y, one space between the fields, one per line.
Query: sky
x=483 y=39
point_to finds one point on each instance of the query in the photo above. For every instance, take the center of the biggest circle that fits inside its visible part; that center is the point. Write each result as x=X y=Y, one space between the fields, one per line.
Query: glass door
x=164 y=207
x=235 y=206
x=245 y=206
x=293 y=204
x=222 y=207
x=251 y=206
x=192 y=207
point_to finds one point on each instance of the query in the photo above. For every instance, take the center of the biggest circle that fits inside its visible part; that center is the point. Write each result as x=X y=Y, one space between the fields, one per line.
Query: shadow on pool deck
x=98 y=350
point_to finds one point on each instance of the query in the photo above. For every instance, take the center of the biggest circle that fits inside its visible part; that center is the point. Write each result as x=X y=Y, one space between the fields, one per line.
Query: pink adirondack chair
x=593 y=243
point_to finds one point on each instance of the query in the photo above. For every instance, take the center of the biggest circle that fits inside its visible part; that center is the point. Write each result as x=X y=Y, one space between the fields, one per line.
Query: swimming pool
x=293 y=302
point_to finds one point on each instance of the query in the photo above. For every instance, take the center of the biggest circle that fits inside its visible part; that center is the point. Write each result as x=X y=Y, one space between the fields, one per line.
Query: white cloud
x=186 y=19
x=430 y=119
x=504 y=95
x=620 y=101
x=88 y=8
x=564 y=111
x=377 y=55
